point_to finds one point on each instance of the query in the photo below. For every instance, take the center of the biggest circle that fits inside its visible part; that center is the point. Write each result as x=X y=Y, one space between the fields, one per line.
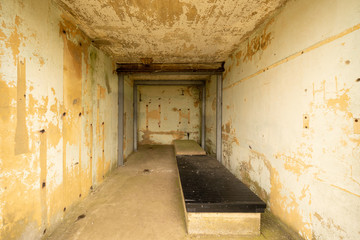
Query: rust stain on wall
x=107 y=83
x=21 y=135
x=104 y=168
x=238 y=57
x=184 y=115
x=229 y=138
x=43 y=179
x=34 y=121
x=72 y=96
x=147 y=135
x=153 y=114
x=54 y=131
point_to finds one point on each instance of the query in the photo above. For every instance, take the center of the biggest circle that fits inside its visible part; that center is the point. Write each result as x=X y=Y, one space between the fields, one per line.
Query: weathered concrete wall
x=128 y=117
x=291 y=109
x=167 y=113
x=210 y=134
x=58 y=122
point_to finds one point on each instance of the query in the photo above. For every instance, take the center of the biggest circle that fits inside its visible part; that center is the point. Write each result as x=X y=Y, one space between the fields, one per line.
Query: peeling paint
x=306 y=175
x=179 y=31
x=21 y=135
x=47 y=80
x=168 y=113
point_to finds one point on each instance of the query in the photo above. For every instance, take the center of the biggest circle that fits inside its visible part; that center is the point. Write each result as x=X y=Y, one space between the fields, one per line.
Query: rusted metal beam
x=169 y=82
x=171 y=68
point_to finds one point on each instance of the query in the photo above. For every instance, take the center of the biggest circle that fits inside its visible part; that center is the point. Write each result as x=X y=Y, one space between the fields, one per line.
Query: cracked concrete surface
x=142 y=201
x=169 y=31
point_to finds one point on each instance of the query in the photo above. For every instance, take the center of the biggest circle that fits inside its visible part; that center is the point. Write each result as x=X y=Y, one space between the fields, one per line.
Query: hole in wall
x=81 y=216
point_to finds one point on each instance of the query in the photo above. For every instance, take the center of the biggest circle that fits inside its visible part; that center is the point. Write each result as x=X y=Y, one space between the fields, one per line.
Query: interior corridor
x=142 y=200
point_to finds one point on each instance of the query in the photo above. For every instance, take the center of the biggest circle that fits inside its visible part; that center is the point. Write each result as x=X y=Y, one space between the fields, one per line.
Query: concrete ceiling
x=169 y=31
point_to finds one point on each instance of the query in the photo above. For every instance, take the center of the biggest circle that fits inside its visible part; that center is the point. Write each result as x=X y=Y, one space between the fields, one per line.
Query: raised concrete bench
x=215 y=201
x=187 y=147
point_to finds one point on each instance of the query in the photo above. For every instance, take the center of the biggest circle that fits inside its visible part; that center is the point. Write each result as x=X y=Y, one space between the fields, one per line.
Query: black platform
x=209 y=187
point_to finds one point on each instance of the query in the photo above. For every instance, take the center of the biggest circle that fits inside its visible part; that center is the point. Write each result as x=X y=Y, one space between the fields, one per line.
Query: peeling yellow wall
x=167 y=113
x=58 y=117
x=304 y=62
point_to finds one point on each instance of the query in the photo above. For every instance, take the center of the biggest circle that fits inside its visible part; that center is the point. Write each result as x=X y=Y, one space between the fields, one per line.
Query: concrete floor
x=137 y=204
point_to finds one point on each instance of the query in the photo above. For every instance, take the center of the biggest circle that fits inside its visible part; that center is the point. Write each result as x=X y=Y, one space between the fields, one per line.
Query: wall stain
x=257 y=43
x=229 y=138
x=46 y=185
x=183 y=115
x=107 y=83
x=21 y=134
x=15 y=39
x=341 y=103
x=72 y=100
x=286 y=207
x=294 y=163
x=176 y=135
x=43 y=179
x=6 y=97
x=153 y=114
x=100 y=133
x=161 y=13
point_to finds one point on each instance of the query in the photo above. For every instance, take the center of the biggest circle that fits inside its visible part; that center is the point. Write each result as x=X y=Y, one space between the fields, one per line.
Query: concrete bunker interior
x=289 y=126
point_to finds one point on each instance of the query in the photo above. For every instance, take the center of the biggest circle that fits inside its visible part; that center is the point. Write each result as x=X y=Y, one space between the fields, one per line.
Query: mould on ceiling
x=170 y=31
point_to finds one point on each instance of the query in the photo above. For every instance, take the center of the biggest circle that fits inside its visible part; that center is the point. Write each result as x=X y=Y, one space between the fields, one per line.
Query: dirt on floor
x=142 y=200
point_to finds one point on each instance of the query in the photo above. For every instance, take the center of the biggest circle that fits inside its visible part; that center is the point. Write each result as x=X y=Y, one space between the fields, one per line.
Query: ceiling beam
x=171 y=68
x=168 y=82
